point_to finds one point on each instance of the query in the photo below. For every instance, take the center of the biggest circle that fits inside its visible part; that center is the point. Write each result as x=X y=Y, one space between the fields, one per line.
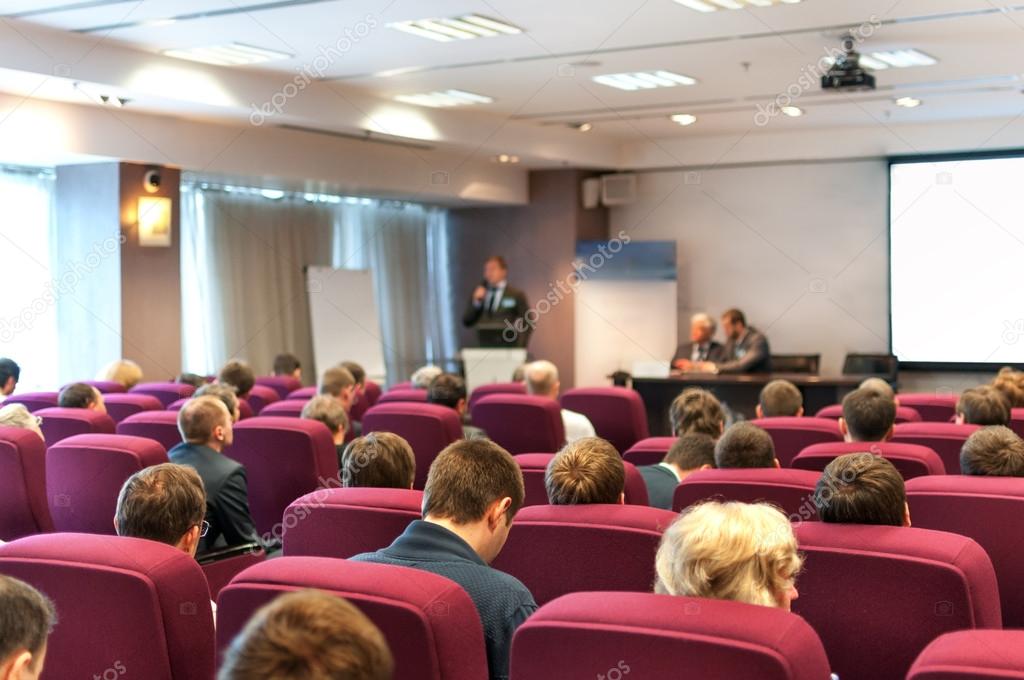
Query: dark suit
x=502 y=310
x=748 y=355
x=227 y=496
x=714 y=352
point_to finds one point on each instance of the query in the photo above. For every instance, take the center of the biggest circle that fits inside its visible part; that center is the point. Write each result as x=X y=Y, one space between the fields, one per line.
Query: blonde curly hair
x=123 y=371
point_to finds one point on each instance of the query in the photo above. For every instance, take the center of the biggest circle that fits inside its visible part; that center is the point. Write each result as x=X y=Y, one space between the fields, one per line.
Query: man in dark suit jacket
x=205 y=426
x=746 y=348
x=496 y=304
x=691 y=452
x=702 y=346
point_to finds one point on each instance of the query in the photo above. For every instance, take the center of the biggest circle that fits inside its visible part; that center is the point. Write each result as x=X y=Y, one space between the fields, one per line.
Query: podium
x=485 y=365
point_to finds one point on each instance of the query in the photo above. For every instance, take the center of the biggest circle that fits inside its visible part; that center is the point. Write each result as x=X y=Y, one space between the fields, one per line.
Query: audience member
x=691 y=452
x=80 y=395
x=338 y=382
x=1010 y=384
x=868 y=416
x=192 y=379
x=745 y=446
x=542 y=381
x=10 y=373
x=331 y=413
x=359 y=375
x=288 y=364
x=780 y=398
x=378 y=459
x=26 y=619
x=226 y=393
x=308 y=635
x=744 y=552
x=983 y=405
x=449 y=390
x=746 y=348
x=474 y=490
x=702 y=346
x=124 y=372
x=239 y=375
x=994 y=451
x=16 y=415
x=205 y=427
x=587 y=471
x=880 y=385
x=164 y=503
x=696 y=410
x=422 y=377
x=519 y=375
x=862 y=488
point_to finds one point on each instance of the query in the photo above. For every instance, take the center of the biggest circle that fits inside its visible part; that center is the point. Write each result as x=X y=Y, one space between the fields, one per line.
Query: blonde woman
x=730 y=551
x=123 y=371
x=16 y=415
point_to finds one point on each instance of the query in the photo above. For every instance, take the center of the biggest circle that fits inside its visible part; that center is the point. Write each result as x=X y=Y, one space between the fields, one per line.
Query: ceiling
x=743 y=60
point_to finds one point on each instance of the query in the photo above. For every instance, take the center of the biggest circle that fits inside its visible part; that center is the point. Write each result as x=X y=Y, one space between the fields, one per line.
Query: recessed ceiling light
x=233 y=54
x=506 y=158
x=792 y=111
x=908 y=102
x=644 y=80
x=684 y=118
x=444 y=99
x=715 y=5
x=465 y=27
x=582 y=127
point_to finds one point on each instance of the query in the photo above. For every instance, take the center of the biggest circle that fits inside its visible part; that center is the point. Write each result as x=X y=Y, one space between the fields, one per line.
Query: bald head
x=542 y=379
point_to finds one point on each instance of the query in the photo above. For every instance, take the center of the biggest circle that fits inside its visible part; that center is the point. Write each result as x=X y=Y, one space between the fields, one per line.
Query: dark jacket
x=750 y=355
x=661 y=485
x=715 y=352
x=511 y=308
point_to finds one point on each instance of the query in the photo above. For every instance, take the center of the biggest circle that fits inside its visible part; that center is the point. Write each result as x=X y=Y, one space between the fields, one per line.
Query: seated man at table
x=780 y=398
x=702 y=346
x=691 y=452
x=984 y=406
x=868 y=416
x=746 y=348
x=696 y=410
x=745 y=446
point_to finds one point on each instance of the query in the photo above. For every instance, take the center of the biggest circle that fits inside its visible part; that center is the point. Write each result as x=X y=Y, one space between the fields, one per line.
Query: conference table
x=738 y=392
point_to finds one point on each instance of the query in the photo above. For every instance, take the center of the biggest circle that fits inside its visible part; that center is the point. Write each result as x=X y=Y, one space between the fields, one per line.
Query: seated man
x=311 y=635
x=80 y=395
x=10 y=372
x=745 y=446
x=288 y=364
x=542 y=381
x=226 y=393
x=691 y=452
x=702 y=346
x=587 y=471
x=26 y=619
x=192 y=379
x=205 y=427
x=450 y=390
x=994 y=451
x=696 y=410
x=239 y=375
x=983 y=405
x=330 y=412
x=780 y=398
x=473 y=492
x=746 y=348
x=359 y=374
x=164 y=503
x=880 y=385
x=868 y=416
x=1010 y=384
x=423 y=376
x=338 y=382
x=378 y=459
x=862 y=488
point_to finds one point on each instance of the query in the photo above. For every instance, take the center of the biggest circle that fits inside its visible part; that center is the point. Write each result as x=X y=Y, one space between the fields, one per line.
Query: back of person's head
x=983 y=405
x=378 y=459
x=994 y=451
x=357 y=371
x=335 y=380
x=164 y=503
x=26 y=619
x=422 y=377
x=17 y=415
x=696 y=410
x=193 y=379
x=692 y=451
x=519 y=375
x=1010 y=384
x=308 y=635
x=868 y=415
x=745 y=446
x=223 y=391
x=447 y=389
x=878 y=385
x=541 y=378
x=467 y=477
x=734 y=316
x=861 y=488
x=328 y=411
x=589 y=470
x=239 y=374
x=199 y=419
x=10 y=374
x=286 y=363
x=780 y=398
x=124 y=372
x=78 y=395
x=744 y=552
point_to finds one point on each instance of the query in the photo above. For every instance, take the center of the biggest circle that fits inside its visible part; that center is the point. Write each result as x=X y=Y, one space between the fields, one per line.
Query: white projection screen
x=957 y=261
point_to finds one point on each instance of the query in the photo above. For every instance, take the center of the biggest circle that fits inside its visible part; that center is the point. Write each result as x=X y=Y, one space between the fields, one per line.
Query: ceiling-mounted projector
x=846 y=74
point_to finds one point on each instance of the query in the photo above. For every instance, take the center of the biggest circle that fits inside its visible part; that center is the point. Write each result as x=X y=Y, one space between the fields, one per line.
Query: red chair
x=161 y=426
x=105 y=386
x=641 y=635
x=282 y=384
x=790 y=490
x=496 y=388
x=534 y=465
x=369 y=398
x=1017 y=421
x=521 y=423
x=261 y=395
x=244 y=409
x=347 y=522
x=911 y=460
x=84 y=475
x=23 y=507
x=791 y=435
x=287 y=408
x=972 y=655
x=557 y=549
x=61 y=423
x=166 y=392
x=945 y=439
x=33 y=401
x=898 y=587
x=933 y=407
x=125 y=604
x=617 y=413
x=904 y=414
x=120 y=406
x=406 y=385
x=392 y=396
x=428 y=428
x=649 y=451
x=429 y=622
x=306 y=393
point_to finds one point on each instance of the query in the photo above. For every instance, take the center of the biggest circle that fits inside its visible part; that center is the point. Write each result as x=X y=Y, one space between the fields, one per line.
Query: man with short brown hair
x=26 y=619
x=994 y=451
x=379 y=459
x=226 y=393
x=473 y=491
x=745 y=445
x=780 y=398
x=862 y=488
x=287 y=363
x=308 y=635
x=165 y=503
x=691 y=452
x=587 y=471
x=338 y=382
x=329 y=411
x=983 y=405
x=81 y=395
x=239 y=375
x=697 y=410
x=868 y=416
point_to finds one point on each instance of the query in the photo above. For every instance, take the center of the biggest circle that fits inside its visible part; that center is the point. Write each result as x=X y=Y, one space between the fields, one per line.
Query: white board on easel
x=344 y=319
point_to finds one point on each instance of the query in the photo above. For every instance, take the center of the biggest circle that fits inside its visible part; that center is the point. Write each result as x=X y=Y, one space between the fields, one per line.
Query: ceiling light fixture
x=644 y=80
x=232 y=54
x=465 y=27
x=506 y=158
x=684 y=118
x=908 y=102
x=582 y=127
x=444 y=99
x=715 y=5
x=792 y=111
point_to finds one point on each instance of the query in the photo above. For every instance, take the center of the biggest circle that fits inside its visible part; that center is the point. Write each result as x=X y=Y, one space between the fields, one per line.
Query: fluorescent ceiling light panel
x=643 y=80
x=908 y=102
x=444 y=99
x=715 y=5
x=684 y=118
x=465 y=27
x=792 y=111
x=233 y=54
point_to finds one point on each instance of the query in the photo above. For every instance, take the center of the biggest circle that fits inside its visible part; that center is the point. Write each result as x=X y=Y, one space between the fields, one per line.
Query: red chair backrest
x=23 y=507
x=120 y=406
x=282 y=384
x=33 y=401
x=166 y=392
x=286 y=408
x=904 y=414
x=933 y=407
x=792 y=435
x=261 y=395
x=496 y=388
x=161 y=426
x=61 y=423
x=428 y=428
x=392 y=396
x=790 y=490
x=945 y=439
x=972 y=655
x=521 y=423
x=649 y=451
x=617 y=413
x=911 y=460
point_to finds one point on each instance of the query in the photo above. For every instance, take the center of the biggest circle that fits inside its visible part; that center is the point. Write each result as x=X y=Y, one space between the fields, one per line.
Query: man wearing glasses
x=165 y=503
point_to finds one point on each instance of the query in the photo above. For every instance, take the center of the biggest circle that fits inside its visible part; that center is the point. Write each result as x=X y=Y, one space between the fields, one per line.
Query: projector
x=846 y=75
